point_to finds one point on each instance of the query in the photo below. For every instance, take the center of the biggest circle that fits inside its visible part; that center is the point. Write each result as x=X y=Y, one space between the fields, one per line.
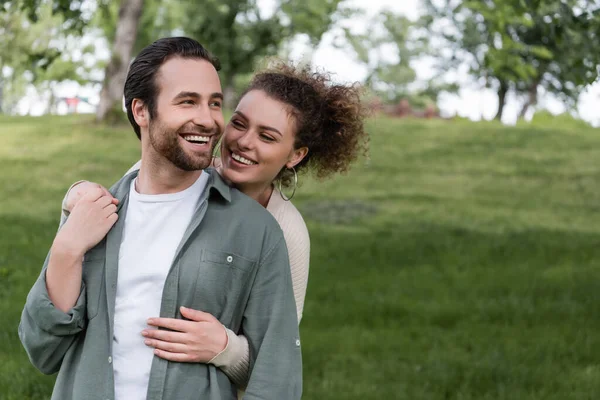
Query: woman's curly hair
x=329 y=117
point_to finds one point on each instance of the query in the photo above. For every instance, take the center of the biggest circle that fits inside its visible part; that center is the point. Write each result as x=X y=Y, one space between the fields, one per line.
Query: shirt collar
x=216 y=182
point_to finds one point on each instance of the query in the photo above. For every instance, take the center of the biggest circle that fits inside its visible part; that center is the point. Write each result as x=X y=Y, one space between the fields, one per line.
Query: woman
x=288 y=120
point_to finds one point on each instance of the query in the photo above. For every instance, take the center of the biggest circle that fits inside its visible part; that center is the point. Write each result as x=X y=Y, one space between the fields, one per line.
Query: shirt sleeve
x=234 y=359
x=271 y=326
x=47 y=332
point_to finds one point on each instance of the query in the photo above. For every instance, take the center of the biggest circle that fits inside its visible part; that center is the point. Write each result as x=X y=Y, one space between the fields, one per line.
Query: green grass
x=460 y=262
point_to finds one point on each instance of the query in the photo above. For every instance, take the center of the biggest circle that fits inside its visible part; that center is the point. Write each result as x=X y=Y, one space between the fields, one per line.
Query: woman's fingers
x=166 y=346
x=110 y=209
x=165 y=336
x=172 y=324
x=176 y=357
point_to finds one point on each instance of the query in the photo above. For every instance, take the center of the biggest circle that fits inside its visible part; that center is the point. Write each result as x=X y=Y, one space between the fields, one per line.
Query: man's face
x=189 y=120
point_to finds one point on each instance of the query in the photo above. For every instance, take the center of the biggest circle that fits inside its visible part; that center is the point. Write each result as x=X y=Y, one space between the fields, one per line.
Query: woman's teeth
x=241 y=159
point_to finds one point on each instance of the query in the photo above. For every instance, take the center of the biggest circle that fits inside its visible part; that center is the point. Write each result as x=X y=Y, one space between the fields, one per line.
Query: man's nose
x=205 y=118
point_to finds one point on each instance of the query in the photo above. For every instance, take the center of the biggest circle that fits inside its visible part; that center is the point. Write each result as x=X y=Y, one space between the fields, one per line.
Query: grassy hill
x=461 y=261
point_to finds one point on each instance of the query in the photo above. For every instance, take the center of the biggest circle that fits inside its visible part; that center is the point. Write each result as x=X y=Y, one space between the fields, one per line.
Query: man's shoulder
x=242 y=226
x=122 y=186
x=251 y=211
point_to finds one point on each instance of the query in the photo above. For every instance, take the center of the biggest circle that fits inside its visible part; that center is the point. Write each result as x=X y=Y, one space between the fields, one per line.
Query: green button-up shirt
x=232 y=262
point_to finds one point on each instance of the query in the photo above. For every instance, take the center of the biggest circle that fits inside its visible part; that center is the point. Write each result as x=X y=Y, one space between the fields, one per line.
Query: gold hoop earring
x=295 y=186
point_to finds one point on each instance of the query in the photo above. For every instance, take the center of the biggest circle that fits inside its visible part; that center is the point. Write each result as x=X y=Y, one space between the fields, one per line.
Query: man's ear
x=297 y=156
x=140 y=113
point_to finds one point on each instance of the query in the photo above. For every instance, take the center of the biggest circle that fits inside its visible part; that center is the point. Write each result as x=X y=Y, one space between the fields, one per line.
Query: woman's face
x=258 y=141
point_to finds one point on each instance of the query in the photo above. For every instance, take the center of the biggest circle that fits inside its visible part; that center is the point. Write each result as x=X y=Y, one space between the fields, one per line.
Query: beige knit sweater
x=234 y=359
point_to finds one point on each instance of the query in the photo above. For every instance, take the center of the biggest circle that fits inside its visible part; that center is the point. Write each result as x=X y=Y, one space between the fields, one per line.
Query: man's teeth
x=197 y=139
x=241 y=159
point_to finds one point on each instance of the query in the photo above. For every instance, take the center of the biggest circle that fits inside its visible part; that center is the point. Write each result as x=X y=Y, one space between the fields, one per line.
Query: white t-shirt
x=154 y=227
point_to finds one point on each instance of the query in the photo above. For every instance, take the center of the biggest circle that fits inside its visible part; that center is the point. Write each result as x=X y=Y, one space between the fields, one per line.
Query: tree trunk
x=116 y=70
x=502 y=91
x=532 y=95
x=229 y=95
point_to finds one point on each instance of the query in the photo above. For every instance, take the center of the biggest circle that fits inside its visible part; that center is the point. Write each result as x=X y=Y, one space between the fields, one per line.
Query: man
x=172 y=236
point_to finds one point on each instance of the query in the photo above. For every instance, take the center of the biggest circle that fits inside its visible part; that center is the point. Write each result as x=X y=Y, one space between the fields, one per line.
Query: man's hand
x=79 y=191
x=197 y=340
x=90 y=220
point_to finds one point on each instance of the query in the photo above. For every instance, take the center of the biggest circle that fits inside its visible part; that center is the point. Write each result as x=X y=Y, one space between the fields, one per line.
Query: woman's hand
x=78 y=191
x=90 y=220
x=198 y=340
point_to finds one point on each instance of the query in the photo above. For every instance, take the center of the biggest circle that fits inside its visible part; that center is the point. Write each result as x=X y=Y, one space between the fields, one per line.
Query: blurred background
x=460 y=260
x=476 y=59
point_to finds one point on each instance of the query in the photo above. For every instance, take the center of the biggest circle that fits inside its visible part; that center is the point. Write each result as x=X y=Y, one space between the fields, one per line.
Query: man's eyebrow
x=265 y=127
x=196 y=95
x=185 y=95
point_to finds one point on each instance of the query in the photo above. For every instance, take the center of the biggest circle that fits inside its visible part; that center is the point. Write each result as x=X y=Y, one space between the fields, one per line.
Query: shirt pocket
x=93 y=278
x=223 y=280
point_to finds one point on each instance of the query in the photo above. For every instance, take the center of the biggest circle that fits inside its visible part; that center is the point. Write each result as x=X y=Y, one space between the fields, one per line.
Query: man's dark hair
x=141 y=77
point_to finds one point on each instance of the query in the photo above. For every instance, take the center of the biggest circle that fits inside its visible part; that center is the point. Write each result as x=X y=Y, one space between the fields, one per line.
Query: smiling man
x=173 y=235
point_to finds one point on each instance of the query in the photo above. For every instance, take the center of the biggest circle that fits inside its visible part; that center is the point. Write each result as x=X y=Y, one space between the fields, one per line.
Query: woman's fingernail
x=144 y=333
x=147 y=342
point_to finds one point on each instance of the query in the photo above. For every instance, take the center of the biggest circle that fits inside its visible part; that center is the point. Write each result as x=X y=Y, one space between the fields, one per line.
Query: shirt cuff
x=51 y=319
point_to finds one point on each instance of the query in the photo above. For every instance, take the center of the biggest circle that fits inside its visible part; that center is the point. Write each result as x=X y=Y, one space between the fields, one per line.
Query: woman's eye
x=266 y=137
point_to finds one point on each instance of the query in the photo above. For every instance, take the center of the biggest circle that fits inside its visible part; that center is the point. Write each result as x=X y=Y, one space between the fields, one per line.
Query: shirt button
x=229 y=259
x=297 y=342
x=109 y=359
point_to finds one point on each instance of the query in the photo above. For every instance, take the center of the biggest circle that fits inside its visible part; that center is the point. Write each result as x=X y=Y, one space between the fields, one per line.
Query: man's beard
x=165 y=142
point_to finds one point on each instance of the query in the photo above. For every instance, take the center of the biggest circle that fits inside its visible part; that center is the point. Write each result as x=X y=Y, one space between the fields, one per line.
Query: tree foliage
x=388 y=49
x=240 y=35
x=519 y=45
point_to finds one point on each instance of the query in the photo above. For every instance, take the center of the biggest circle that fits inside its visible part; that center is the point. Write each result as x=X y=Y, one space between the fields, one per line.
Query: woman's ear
x=297 y=156
x=140 y=113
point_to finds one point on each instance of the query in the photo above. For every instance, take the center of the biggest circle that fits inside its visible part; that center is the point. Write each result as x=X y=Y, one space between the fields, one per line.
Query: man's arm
x=90 y=221
x=45 y=331
x=55 y=308
x=271 y=326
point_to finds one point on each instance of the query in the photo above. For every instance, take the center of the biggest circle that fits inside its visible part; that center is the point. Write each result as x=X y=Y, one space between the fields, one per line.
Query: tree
x=519 y=45
x=387 y=49
x=239 y=35
x=569 y=35
x=35 y=47
x=125 y=36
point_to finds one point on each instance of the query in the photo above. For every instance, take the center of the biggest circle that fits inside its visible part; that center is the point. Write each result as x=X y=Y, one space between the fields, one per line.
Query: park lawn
x=460 y=261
